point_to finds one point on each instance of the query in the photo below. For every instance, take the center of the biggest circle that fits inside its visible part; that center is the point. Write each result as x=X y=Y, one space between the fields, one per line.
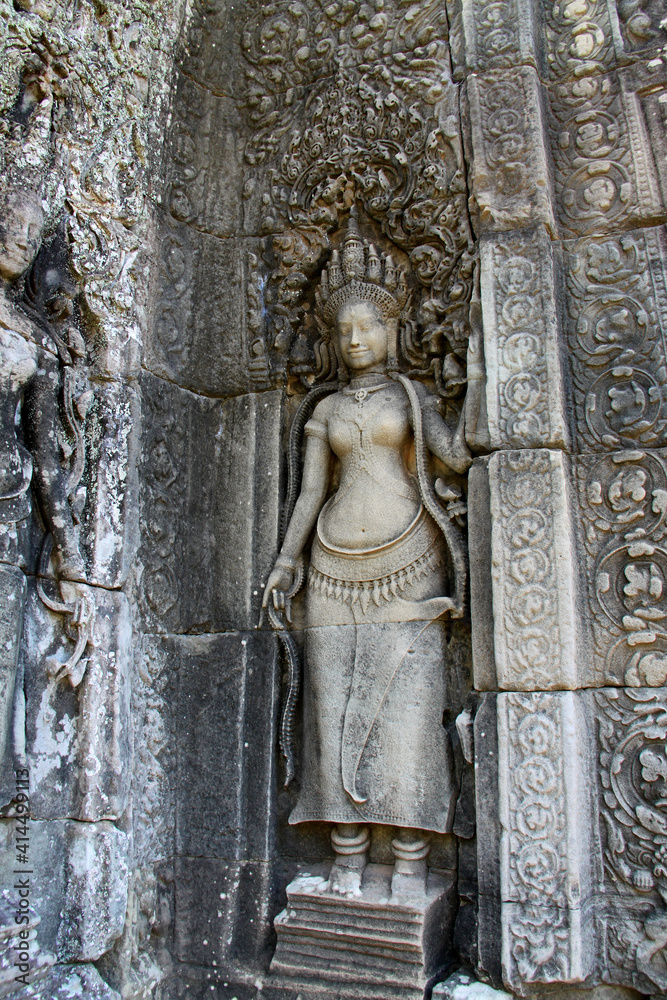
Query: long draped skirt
x=375 y=749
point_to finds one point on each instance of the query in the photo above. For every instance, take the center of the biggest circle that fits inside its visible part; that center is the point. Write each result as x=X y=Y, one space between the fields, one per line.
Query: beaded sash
x=376 y=574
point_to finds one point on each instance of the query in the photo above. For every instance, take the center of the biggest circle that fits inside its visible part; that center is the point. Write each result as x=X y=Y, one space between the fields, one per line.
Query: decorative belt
x=376 y=574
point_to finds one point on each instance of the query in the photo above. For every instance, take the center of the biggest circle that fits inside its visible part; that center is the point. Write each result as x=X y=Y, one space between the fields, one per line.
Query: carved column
x=569 y=645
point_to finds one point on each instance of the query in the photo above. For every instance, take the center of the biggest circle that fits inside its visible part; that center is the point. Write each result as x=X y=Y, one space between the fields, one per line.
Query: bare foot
x=345 y=881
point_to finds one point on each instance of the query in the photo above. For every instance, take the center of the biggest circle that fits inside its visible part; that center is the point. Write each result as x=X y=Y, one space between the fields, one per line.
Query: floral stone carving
x=633 y=773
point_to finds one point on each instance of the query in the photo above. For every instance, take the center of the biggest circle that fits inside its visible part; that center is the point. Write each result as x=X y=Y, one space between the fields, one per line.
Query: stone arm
x=476 y=419
x=41 y=419
x=314 y=488
x=446 y=444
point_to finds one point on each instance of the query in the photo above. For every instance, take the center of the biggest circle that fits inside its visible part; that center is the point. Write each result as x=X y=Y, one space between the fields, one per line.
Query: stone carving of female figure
x=374 y=750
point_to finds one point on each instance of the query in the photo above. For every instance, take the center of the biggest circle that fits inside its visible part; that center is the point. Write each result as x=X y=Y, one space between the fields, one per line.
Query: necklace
x=362 y=393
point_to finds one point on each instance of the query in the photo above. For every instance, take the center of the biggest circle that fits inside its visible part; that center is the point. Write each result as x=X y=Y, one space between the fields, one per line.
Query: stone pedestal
x=371 y=945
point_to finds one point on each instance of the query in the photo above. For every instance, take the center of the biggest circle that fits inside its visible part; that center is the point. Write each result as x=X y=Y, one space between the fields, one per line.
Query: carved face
x=21 y=224
x=362 y=335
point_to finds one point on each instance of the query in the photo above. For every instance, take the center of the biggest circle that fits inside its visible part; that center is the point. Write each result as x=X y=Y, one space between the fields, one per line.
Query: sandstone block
x=69 y=982
x=110 y=528
x=533 y=572
x=511 y=169
x=13 y=591
x=213 y=464
x=78 y=740
x=500 y=37
x=78 y=884
x=605 y=177
x=537 y=881
x=199 y=336
x=616 y=317
x=526 y=402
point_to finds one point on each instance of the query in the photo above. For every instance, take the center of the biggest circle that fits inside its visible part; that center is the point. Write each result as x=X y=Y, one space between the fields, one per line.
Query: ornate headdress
x=359 y=272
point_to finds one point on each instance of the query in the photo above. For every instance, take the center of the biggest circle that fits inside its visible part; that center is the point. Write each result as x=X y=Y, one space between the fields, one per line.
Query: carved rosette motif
x=580 y=38
x=568 y=40
x=604 y=170
x=532 y=571
x=525 y=397
x=511 y=173
x=632 y=729
x=543 y=868
x=623 y=501
x=617 y=307
x=496 y=32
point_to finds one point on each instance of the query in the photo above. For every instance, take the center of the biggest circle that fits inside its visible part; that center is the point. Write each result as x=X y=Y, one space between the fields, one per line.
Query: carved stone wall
x=176 y=175
x=84 y=95
x=567 y=154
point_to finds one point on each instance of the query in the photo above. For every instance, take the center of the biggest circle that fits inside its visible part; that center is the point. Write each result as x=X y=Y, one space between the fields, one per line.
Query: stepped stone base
x=372 y=945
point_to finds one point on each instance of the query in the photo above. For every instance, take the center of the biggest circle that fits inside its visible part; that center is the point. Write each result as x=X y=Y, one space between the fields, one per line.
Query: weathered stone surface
x=502 y=37
x=110 y=522
x=534 y=567
x=283 y=117
x=546 y=817
x=20 y=954
x=461 y=986
x=538 y=878
x=78 y=740
x=78 y=884
x=489 y=932
x=12 y=600
x=605 y=176
x=215 y=464
x=226 y=782
x=69 y=982
x=206 y=130
x=607 y=554
x=137 y=963
x=629 y=758
x=526 y=403
x=616 y=302
x=200 y=338
x=339 y=943
x=620 y=518
x=564 y=42
x=511 y=172
x=223 y=914
x=96 y=871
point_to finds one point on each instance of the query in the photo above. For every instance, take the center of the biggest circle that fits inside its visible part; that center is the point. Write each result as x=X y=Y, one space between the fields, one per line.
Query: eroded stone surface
x=78 y=739
x=78 y=884
x=69 y=982
x=282 y=117
x=209 y=579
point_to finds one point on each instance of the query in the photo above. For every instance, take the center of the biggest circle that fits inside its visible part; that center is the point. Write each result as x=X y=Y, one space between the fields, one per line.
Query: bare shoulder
x=324 y=408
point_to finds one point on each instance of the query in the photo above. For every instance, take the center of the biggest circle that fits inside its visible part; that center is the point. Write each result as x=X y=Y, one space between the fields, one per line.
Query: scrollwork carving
x=383 y=135
x=632 y=727
x=602 y=159
x=534 y=633
x=510 y=170
x=616 y=305
x=579 y=38
x=543 y=874
x=623 y=500
x=526 y=402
